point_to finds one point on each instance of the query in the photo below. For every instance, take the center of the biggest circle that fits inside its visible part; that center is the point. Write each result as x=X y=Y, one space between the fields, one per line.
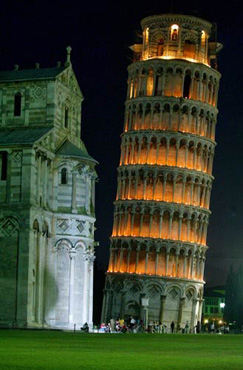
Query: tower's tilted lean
x=161 y=215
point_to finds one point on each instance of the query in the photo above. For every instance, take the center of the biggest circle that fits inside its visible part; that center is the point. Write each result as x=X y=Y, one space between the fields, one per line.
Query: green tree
x=234 y=297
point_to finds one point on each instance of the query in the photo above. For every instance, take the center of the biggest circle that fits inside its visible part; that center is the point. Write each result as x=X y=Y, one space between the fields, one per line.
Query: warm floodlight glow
x=165 y=173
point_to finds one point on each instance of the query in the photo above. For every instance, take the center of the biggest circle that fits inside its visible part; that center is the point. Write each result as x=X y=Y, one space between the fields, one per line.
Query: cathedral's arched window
x=3 y=165
x=64 y=176
x=17 y=105
x=66 y=117
x=187 y=84
x=174 y=32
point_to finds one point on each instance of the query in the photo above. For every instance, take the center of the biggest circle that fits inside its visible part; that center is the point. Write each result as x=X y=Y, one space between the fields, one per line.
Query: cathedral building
x=47 y=200
x=158 y=244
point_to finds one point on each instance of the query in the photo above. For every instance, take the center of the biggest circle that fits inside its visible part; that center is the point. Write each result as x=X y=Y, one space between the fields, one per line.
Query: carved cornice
x=170 y=134
x=172 y=100
x=174 y=63
x=164 y=206
x=158 y=241
x=184 y=172
x=182 y=20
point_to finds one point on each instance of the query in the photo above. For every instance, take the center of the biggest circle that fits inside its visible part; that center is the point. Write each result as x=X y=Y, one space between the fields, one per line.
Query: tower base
x=170 y=299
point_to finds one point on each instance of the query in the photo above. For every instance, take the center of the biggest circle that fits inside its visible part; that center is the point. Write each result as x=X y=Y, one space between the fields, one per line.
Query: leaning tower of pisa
x=161 y=214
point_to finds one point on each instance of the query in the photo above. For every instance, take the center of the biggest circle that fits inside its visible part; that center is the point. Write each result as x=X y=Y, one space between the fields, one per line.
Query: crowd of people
x=133 y=325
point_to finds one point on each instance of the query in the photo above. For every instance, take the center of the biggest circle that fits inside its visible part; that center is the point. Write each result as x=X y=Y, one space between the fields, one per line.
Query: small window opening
x=203 y=39
x=174 y=32
x=64 y=176
x=17 y=105
x=66 y=117
x=3 y=165
x=186 y=87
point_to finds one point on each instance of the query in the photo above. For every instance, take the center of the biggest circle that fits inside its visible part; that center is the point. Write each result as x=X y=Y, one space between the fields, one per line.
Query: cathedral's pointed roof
x=27 y=136
x=68 y=149
x=30 y=74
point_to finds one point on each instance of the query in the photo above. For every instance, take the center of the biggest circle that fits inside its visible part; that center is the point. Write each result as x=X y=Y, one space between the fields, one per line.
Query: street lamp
x=145 y=303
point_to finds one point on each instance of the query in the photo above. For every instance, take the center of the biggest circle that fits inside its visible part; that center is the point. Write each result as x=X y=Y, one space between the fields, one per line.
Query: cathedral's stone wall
x=47 y=182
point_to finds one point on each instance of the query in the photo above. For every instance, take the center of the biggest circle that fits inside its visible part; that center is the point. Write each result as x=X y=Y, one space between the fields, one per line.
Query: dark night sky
x=100 y=33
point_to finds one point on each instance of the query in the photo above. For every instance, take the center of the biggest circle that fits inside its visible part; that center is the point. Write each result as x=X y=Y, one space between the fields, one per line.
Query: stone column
x=167 y=262
x=193 y=315
x=150 y=222
x=179 y=229
x=146 y=259
x=154 y=184
x=109 y=306
x=185 y=267
x=170 y=225
x=72 y=255
x=192 y=267
x=91 y=289
x=141 y=223
x=45 y=179
x=200 y=306
x=202 y=269
x=38 y=178
x=177 y=257
x=162 y=306
x=160 y=224
x=38 y=308
x=120 y=259
x=180 y=312
x=167 y=151
x=104 y=306
x=183 y=189
x=74 y=188
x=156 y=261
x=55 y=189
x=128 y=259
x=85 y=282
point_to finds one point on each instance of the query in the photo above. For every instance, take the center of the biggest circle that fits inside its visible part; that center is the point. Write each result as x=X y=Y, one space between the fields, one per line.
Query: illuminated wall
x=161 y=212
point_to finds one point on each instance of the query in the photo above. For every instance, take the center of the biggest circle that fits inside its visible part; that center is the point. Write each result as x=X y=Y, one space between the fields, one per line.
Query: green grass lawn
x=53 y=350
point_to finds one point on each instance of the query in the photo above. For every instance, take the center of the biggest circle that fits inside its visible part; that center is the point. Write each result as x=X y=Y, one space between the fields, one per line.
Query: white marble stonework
x=47 y=201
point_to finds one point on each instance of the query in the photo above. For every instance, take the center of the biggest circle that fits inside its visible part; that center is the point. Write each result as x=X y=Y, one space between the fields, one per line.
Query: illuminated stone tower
x=158 y=244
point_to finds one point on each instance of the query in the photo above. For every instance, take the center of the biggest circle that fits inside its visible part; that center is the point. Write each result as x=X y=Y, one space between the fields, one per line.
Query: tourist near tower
x=161 y=214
